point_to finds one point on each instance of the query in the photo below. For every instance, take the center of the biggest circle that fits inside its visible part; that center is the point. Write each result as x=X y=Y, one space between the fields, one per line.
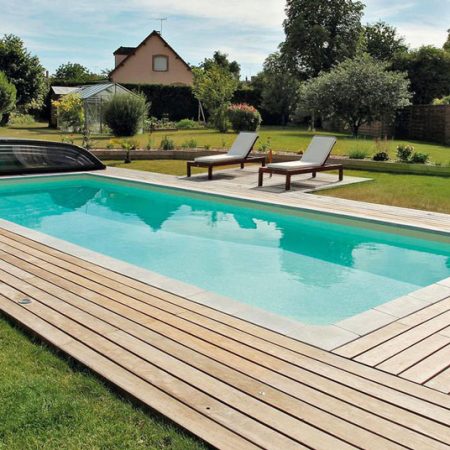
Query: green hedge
x=178 y=102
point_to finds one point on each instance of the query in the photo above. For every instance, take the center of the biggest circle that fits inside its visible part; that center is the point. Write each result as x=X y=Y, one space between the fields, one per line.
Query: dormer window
x=160 y=63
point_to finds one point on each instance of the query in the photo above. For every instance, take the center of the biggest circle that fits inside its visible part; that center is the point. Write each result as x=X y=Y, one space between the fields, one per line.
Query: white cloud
x=417 y=35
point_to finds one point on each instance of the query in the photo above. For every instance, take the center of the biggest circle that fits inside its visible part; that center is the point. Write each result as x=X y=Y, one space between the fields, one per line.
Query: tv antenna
x=161 y=20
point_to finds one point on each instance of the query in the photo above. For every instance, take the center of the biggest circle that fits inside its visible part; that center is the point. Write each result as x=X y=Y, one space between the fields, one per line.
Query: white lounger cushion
x=315 y=155
x=290 y=165
x=240 y=149
x=217 y=158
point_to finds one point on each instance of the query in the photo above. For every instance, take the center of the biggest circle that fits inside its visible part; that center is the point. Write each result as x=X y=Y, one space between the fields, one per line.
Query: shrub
x=380 y=156
x=357 y=154
x=244 y=117
x=219 y=120
x=420 y=158
x=404 y=152
x=149 y=144
x=68 y=140
x=167 y=143
x=129 y=144
x=191 y=143
x=442 y=101
x=110 y=145
x=186 y=124
x=125 y=114
x=265 y=146
x=21 y=119
x=70 y=111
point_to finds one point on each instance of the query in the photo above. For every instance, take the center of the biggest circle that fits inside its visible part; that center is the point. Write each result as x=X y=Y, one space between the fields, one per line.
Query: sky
x=88 y=31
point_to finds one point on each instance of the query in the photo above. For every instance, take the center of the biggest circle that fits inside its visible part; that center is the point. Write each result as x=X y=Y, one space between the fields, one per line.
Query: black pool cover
x=22 y=156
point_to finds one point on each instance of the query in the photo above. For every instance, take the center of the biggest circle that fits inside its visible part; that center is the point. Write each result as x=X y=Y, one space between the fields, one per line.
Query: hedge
x=178 y=102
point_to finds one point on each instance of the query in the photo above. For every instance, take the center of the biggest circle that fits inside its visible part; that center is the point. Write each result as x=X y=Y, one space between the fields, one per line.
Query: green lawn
x=282 y=139
x=410 y=191
x=50 y=402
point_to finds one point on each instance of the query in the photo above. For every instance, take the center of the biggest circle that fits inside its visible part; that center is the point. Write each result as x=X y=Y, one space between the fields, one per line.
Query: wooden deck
x=234 y=384
x=416 y=347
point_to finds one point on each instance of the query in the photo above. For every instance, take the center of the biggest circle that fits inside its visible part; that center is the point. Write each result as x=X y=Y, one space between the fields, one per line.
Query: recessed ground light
x=24 y=301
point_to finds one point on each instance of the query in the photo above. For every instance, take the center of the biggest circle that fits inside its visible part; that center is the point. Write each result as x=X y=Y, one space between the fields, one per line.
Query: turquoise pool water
x=312 y=268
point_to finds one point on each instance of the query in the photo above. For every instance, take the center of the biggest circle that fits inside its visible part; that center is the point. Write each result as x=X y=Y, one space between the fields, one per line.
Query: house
x=94 y=96
x=153 y=61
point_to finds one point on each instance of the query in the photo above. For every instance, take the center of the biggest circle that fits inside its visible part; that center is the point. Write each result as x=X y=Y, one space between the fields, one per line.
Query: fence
x=419 y=122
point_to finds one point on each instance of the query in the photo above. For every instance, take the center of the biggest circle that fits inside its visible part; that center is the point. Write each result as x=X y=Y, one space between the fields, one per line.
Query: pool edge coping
x=326 y=337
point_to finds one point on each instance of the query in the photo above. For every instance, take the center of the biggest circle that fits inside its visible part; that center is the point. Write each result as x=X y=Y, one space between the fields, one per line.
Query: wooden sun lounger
x=299 y=171
x=210 y=165
x=238 y=154
x=312 y=161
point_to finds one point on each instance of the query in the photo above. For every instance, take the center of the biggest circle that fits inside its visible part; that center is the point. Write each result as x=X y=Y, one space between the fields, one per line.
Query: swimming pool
x=314 y=268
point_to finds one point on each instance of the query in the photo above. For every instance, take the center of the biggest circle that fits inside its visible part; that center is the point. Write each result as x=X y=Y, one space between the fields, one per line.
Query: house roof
x=124 y=50
x=134 y=50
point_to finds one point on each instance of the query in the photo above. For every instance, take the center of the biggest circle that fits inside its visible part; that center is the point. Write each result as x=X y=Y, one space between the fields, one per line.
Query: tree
x=24 y=71
x=381 y=41
x=279 y=87
x=446 y=45
x=319 y=34
x=357 y=91
x=76 y=73
x=221 y=59
x=428 y=69
x=7 y=95
x=70 y=111
x=214 y=88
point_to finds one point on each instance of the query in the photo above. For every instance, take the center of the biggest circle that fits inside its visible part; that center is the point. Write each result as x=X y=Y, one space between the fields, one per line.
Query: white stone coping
x=327 y=337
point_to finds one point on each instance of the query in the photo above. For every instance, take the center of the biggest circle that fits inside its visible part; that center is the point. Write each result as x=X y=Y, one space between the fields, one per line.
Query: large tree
x=446 y=45
x=382 y=42
x=75 y=73
x=221 y=59
x=7 y=95
x=357 y=91
x=279 y=88
x=24 y=71
x=214 y=88
x=320 y=33
x=428 y=69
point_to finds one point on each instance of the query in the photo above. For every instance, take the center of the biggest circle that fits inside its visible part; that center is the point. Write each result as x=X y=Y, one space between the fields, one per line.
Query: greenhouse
x=94 y=97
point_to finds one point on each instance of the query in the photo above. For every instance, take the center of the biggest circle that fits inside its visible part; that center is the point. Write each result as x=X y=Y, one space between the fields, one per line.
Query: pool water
x=313 y=268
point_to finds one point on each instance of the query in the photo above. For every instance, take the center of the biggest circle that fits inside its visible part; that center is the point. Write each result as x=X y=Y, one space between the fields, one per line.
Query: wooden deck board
x=252 y=387
x=415 y=347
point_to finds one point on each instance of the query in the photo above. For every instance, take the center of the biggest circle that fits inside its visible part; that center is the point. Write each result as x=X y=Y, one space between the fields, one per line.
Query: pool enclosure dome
x=26 y=156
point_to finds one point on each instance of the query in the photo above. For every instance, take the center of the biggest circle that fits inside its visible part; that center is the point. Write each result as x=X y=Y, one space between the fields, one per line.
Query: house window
x=160 y=63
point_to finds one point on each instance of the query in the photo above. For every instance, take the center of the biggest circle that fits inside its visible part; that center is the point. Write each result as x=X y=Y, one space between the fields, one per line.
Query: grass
x=428 y=193
x=51 y=402
x=282 y=139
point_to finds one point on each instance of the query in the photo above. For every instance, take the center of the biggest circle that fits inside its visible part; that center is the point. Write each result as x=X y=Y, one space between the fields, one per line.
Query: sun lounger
x=313 y=160
x=238 y=154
